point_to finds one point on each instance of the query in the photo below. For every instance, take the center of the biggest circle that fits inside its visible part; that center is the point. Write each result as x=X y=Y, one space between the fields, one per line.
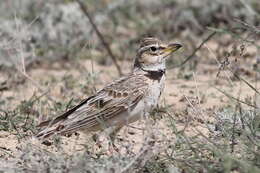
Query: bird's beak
x=172 y=47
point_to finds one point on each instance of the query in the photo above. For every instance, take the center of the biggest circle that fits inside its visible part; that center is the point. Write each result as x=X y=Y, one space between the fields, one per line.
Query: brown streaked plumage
x=121 y=102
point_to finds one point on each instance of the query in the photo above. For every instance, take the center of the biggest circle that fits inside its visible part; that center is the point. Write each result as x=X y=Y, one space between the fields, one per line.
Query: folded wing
x=122 y=95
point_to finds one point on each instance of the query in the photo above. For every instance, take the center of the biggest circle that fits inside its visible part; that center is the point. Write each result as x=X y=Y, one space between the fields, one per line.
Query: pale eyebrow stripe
x=147 y=47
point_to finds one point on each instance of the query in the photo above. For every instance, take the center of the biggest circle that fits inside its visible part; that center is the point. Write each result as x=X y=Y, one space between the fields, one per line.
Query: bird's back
x=99 y=110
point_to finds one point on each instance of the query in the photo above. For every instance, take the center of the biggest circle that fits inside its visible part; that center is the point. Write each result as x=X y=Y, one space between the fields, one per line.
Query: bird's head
x=152 y=54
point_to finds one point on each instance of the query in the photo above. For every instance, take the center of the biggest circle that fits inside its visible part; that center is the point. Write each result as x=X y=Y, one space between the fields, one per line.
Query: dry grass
x=208 y=119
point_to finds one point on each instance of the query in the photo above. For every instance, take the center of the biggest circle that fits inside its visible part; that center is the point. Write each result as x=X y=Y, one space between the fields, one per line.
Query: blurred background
x=58 y=29
x=52 y=57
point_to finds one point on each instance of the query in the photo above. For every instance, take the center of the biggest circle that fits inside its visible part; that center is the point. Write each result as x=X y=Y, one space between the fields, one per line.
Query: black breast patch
x=155 y=75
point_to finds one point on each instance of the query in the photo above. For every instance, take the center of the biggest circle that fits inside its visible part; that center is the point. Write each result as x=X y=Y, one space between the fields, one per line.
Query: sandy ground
x=194 y=98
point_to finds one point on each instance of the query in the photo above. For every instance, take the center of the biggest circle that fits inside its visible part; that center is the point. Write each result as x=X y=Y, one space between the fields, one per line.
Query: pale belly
x=144 y=107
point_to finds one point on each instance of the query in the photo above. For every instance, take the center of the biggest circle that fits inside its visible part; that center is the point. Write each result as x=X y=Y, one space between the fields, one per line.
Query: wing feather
x=120 y=96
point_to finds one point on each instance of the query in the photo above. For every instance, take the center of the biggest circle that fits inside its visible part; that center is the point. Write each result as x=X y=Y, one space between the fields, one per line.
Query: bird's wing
x=122 y=95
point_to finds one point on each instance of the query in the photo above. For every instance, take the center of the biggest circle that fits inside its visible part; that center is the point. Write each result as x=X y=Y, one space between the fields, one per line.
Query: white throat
x=154 y=67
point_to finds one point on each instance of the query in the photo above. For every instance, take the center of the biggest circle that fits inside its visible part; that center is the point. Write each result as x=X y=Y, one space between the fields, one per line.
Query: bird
x=124 y=100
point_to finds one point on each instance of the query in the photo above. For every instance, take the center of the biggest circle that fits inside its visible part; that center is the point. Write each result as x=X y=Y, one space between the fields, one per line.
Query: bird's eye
x=153 y=48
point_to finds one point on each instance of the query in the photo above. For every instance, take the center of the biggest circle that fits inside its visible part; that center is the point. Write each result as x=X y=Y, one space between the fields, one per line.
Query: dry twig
x=84 y=9
x=245 y=25
x=195 y=50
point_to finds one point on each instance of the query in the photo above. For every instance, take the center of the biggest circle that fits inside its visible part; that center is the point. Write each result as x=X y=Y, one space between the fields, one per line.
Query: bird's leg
x=97 y=141
x=112 y=137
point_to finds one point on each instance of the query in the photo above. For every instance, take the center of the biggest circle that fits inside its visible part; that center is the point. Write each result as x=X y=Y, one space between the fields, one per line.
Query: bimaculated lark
x=123 y=101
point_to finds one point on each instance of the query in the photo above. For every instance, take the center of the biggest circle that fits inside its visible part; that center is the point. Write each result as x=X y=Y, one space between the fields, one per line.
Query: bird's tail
x=48 y=129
